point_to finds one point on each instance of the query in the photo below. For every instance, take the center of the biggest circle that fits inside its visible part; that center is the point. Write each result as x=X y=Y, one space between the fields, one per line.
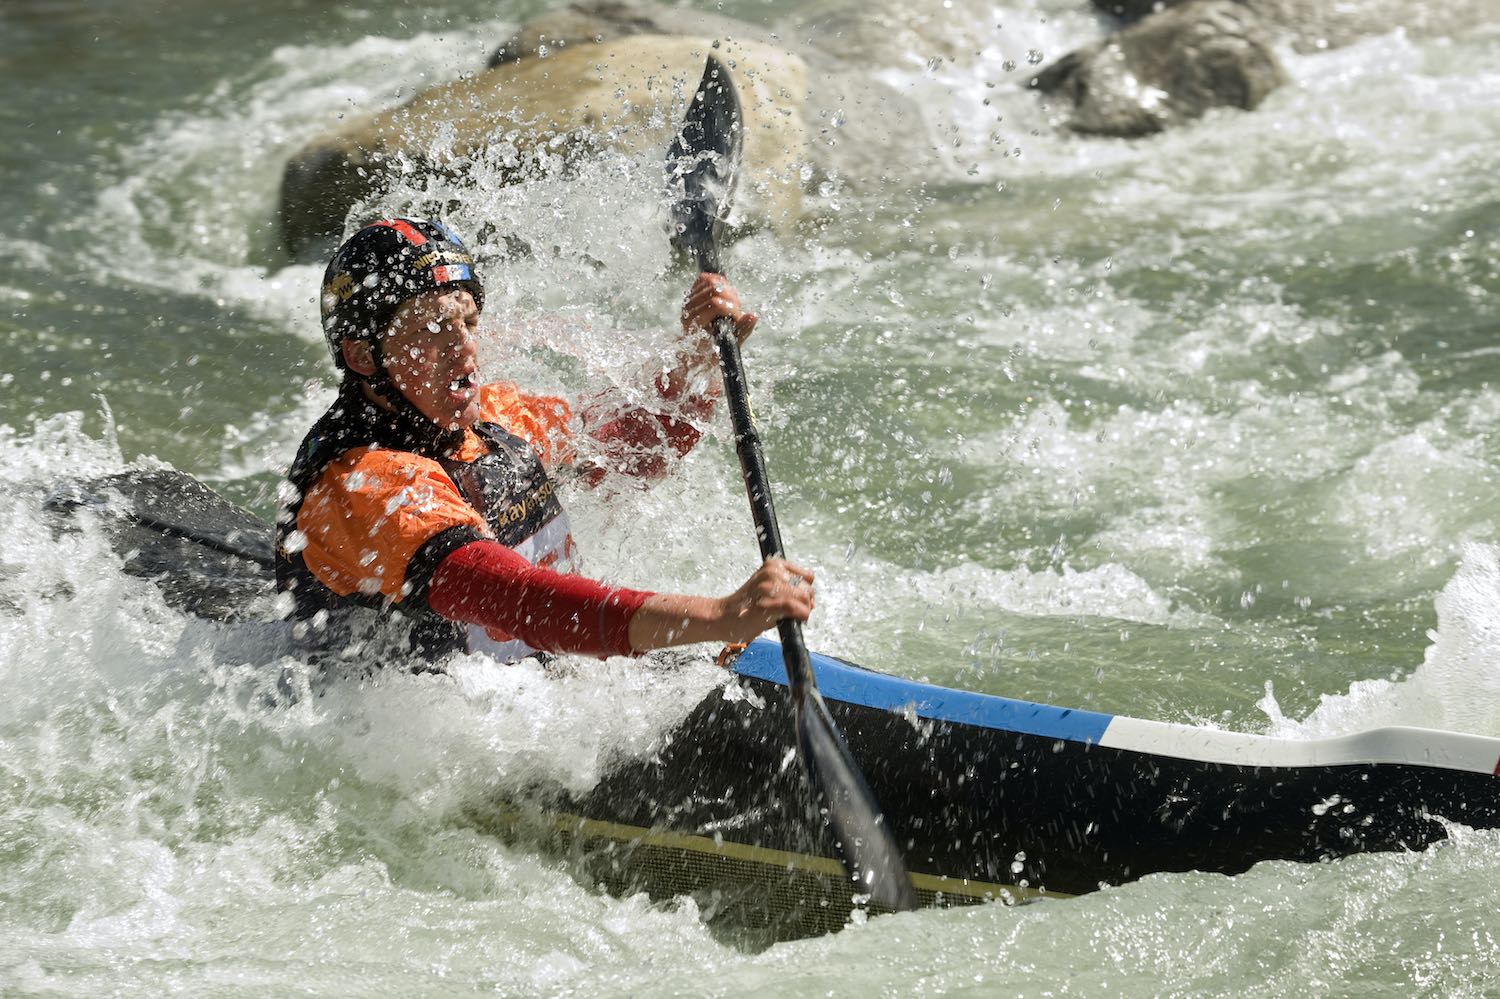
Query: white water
x=1125 y=435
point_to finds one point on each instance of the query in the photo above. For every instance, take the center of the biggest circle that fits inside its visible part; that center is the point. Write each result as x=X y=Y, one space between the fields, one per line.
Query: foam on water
x=163 y=792
x=1457 y=685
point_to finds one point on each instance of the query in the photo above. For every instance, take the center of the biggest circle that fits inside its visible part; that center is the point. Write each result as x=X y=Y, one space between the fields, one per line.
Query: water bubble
x=1322 y=807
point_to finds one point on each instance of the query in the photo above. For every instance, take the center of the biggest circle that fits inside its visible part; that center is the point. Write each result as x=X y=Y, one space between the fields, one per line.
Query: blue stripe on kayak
x=841 y=681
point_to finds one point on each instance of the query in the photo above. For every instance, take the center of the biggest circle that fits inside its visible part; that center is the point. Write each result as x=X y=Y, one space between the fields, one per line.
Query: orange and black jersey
x=383 y=500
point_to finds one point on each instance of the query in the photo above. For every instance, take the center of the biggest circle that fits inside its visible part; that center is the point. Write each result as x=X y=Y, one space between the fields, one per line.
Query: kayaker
x=427 y=496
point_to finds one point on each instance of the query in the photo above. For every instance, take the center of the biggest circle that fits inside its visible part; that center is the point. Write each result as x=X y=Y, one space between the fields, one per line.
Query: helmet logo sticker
x=450 y=272
x=440 y=256
x=412 y=233
x=340 y=287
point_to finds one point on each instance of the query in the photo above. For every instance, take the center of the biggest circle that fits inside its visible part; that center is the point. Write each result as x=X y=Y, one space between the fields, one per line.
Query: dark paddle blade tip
x=865 y=841
x=703 y=165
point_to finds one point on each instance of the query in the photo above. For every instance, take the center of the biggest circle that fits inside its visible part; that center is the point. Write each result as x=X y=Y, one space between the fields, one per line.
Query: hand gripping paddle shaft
x=701 y=167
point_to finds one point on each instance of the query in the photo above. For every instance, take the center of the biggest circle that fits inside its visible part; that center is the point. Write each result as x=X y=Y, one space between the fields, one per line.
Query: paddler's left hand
x=712 y=296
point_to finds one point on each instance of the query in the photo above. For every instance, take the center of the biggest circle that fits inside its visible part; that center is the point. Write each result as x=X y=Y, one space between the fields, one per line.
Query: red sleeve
x=488 y=584
x=635 y=438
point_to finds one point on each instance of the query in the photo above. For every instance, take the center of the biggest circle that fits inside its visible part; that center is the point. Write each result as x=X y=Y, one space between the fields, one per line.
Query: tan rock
x=626 y=93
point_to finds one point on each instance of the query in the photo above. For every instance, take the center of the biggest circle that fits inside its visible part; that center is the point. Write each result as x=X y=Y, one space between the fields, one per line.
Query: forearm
x=777 y=590
x=675 y=619
x=693 y=381
x=636 y=439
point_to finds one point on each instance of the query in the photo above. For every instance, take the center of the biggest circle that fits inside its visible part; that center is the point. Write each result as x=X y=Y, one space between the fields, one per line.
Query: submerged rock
x=1166 y=69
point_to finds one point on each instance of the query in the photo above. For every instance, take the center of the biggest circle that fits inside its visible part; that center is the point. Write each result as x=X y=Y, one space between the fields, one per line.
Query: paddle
x=702 y=166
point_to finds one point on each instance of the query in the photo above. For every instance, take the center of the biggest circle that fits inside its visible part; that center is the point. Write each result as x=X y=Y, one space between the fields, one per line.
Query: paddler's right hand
x=777 y=590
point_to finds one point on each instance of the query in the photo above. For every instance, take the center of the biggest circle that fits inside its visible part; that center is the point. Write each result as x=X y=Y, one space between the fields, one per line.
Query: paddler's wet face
x=432 y=357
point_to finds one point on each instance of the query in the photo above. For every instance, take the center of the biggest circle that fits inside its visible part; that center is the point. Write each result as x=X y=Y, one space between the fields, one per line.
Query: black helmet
x=383 y=265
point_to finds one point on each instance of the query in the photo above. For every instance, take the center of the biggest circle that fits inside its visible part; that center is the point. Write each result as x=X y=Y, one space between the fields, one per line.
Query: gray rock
x=852 y=121
x=1168 y=68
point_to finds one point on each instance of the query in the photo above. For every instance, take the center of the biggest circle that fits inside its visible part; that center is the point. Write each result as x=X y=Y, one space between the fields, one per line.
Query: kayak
x=998 y=799
x=992 y=799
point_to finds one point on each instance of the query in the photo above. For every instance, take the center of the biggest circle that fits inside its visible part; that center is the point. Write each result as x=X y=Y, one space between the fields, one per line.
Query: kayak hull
x=991 y=798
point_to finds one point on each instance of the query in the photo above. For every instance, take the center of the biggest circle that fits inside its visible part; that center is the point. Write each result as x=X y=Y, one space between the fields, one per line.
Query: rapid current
x=1196 y=428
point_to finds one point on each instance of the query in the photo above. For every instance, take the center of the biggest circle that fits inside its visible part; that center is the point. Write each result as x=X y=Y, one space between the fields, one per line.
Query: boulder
x=1168 y=68
x=555 y=86
x=853 y=120
x=625 y=94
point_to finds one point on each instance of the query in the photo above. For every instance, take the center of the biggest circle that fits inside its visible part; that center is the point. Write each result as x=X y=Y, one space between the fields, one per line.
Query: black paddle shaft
x=703 y=162
x=758 y=486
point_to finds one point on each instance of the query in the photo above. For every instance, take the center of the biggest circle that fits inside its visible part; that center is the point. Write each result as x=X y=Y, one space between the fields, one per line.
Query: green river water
x=1195 y=428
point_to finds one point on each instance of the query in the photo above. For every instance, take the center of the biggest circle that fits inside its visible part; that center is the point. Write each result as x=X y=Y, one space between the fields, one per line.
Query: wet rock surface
x=587 y=77
x=1168 y=68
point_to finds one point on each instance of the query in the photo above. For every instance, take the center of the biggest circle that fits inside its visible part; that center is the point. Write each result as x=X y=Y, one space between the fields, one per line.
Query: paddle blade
x=703 y=164
x=868 y=848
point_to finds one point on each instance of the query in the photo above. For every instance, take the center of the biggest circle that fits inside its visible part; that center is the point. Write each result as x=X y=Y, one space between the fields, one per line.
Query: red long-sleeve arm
x=488 y=584
x=635 y=441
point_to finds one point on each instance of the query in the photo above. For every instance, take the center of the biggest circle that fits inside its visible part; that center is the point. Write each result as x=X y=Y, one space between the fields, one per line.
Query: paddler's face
x=432 y=357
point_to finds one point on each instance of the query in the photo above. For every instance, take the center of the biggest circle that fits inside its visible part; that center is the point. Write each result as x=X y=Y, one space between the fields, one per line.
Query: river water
x=1194 y=428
